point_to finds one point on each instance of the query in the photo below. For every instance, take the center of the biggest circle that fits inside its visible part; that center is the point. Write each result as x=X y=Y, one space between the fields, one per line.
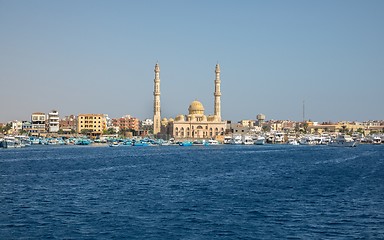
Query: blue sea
x=214 y=192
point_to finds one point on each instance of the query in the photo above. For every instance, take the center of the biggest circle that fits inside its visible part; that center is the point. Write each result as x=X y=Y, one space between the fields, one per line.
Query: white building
x=53 y=121
x=147 y=122
x=16 y=126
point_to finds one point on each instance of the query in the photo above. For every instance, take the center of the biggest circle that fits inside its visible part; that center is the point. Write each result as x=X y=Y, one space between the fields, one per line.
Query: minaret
x=217 y=93
x=156 y=101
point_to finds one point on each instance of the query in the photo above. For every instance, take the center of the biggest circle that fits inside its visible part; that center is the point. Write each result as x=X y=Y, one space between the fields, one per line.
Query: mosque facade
x=194 y=125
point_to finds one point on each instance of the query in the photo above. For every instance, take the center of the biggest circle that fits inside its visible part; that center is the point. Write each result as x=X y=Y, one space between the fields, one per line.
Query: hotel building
x=94 y=124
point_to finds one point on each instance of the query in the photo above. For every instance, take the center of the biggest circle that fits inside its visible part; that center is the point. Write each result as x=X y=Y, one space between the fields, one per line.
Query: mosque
x=195 y=125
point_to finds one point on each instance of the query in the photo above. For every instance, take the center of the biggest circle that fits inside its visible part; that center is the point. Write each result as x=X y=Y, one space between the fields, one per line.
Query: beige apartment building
x=38 y=120
x=94 y=124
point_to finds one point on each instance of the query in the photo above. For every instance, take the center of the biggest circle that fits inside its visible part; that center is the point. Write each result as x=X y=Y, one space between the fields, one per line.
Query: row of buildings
x=42 y=124
x=194 y=125
x=182 y=127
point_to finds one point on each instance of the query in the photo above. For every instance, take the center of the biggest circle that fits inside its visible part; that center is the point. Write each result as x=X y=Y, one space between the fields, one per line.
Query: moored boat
x=227 y=140
x=114 y=144
x=236 y=140
x=342 y=141
x=8 y=142
x=213 y=142
x=260 y=140
x=185 y=144
x=248 y=140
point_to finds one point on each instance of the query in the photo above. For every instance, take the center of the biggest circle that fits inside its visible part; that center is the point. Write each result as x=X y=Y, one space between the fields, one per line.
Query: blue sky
x=99 y=56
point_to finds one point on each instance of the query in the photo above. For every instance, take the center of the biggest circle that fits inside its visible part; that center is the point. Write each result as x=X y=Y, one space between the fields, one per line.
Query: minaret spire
x=217 y=93
x=156 y=101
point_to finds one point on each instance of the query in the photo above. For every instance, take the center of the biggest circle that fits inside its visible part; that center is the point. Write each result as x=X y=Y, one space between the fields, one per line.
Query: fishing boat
x=82 y=141
x=140 y=144
x=185 y=144
x=200 y=143
x=114 y=144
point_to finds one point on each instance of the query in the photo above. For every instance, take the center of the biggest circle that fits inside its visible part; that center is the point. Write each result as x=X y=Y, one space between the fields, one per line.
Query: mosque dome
x=170 y=120
x=164 y=121
x=196 y=108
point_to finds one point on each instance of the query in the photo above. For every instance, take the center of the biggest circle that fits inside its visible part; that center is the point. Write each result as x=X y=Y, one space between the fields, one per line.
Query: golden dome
x=196 y=108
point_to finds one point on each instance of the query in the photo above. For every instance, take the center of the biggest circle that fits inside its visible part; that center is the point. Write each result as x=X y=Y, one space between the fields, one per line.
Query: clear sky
x=98 y=57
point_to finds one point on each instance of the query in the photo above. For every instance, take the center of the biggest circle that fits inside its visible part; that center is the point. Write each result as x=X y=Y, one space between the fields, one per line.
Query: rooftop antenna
x=303 y=110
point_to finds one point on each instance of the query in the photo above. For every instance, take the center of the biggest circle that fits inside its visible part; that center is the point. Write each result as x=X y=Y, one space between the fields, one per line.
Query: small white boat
x=292 y=141
x=279 y=137
x=376 y=140
x=342 y=141
x=213 y=142
x=227 y=140
x=236 y=141
x=260 y=140
x=248 y=140
x=307 y=140
x=114 y=144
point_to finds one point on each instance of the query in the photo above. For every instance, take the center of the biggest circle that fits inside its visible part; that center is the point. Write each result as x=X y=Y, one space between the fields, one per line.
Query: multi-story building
x=92 y=124
x=68 y=124
x=126 y=122
x=27 y=126
x=53 y=121
x=247 y=123
x=16 y=127
x=38 y=124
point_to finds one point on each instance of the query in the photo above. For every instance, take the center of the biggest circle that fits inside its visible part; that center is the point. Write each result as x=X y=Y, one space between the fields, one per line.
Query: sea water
x=212 y=192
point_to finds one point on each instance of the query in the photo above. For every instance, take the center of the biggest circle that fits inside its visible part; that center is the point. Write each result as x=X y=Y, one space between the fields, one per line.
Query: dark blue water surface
x=217 y=192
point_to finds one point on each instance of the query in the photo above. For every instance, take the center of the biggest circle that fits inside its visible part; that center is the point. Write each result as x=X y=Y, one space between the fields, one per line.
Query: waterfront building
x=68 y=124
x=26 y=126
x=92 y=124
x=239 y=128
x=53 y=121
x=247 y=123
x=196 y=125
x=38 y=120
x=126 y=122
x=16 y=127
